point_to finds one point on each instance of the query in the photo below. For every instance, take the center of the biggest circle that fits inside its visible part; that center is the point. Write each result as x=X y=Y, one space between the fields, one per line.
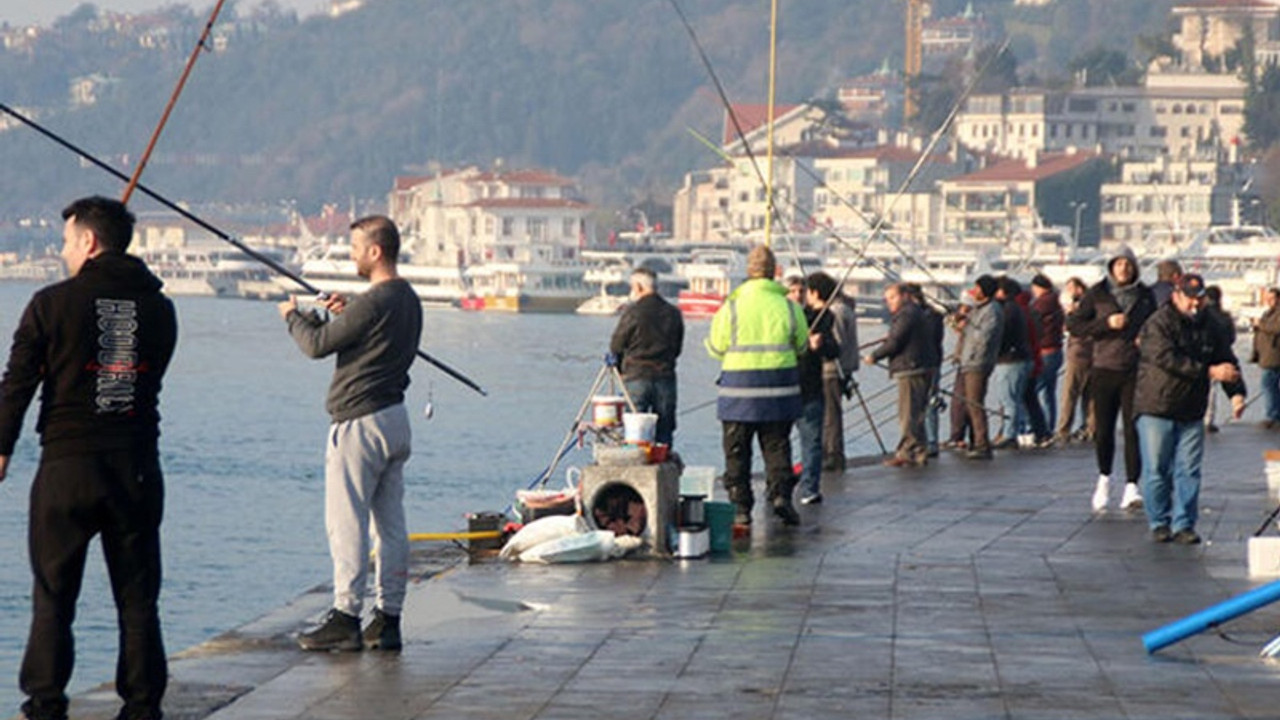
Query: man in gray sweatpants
x=375 y=336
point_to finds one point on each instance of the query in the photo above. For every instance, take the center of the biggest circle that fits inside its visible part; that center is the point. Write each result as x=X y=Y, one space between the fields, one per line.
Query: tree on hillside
x=1102 y=67
x=935 y=95
x=1262 y=110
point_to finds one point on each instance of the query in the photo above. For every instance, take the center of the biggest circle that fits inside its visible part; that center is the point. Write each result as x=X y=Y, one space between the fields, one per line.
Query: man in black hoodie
x=97 y=345
x=1111 y=313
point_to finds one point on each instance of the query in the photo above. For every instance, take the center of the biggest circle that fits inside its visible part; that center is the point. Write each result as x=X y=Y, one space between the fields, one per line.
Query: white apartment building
x=469 y=216
x=1184 y=115
x=1168 y=197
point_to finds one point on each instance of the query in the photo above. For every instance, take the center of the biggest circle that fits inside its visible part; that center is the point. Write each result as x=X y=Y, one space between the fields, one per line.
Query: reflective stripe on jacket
x=757 y=335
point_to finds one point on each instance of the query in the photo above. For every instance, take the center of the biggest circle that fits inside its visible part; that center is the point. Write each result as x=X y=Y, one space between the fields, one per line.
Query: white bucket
x=607 y=409
x=639 y=428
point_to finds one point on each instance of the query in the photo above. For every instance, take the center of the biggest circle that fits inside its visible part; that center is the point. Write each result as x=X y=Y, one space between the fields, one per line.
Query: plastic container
x=639 y=428
x=606 y=410
x=719 y=526
x=698 y=480
x=693 y=543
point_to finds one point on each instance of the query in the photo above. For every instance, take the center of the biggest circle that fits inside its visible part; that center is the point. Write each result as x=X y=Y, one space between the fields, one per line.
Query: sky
x=43 y=12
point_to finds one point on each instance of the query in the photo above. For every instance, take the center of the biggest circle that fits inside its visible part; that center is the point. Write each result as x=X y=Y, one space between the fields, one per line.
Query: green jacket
x=757 y=336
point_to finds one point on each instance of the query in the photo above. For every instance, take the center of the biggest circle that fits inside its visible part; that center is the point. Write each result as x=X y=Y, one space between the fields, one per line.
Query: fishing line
x=733 y=118
x=265 y=260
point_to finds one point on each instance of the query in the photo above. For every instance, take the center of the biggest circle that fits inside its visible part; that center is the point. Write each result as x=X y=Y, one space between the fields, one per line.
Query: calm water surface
x=243 y=434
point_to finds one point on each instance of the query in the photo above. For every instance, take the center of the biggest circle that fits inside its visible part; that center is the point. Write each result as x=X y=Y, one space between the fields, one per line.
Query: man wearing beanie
x=1112 y=313
x=979 y=347
x=757 y=335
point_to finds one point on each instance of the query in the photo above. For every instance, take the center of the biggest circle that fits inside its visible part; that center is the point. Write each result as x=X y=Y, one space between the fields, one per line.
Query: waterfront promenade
x=962 y=590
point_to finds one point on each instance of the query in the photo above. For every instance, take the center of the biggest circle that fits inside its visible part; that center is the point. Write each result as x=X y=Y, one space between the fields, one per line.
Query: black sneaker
x=1186 y=536
x=785 y=511
x=35 y=710
x=382 y=632
x=1162 y=534
x=339 y=631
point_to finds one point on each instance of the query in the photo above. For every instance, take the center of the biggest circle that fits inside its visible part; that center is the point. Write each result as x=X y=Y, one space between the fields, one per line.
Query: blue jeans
x=1172 y=451
x=658 y=397
x=1047 y=387
x=1271 y=389
x=931 y=412
x=810 y=427
x=1009 y=382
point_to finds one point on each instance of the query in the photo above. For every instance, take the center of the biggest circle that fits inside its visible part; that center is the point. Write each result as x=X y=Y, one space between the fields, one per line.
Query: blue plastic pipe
x=1210 y=616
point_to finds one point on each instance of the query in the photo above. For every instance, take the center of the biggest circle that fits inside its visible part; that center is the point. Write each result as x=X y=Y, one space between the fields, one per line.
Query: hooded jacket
x=97 y=345
x=1113 y=349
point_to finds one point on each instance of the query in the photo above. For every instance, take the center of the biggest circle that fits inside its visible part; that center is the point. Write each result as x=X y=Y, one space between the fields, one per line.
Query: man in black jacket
x=646 y=342
x=1111 y=314
x=907 y=349
x=97 y=345
x=1180 y=352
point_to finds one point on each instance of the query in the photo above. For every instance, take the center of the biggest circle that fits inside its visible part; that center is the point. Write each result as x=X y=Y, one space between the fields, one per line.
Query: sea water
x=242 y=445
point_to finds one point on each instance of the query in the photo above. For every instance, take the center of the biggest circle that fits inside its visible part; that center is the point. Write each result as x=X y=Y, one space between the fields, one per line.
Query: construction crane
x=913 y=63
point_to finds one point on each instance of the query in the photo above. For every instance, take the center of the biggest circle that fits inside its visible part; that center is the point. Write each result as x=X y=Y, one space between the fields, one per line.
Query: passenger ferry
x=214 y=272
x=333 y=270
x=610 y=271
x=525 y=287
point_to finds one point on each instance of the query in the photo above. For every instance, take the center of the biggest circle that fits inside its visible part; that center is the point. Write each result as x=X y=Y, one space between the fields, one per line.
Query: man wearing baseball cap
x=1179 y=353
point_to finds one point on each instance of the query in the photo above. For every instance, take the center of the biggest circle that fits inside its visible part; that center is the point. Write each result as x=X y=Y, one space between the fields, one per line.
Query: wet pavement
x=965 y=589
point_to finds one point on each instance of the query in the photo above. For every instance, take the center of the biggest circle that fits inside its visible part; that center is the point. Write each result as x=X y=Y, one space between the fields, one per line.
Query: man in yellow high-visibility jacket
x=757 y=335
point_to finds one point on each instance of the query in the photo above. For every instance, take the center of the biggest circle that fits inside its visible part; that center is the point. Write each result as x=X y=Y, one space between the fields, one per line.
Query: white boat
x=712 y=275
x=212 y=272
x=525 y=287
x=610 y=271
x=334 y=271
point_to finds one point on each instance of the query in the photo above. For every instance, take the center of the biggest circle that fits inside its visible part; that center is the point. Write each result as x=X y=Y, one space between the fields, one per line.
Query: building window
x=537 y=228
x=570 y=227
x=1070 y=128
x=1128 y=107
x=508 y=226
x=1159 y=131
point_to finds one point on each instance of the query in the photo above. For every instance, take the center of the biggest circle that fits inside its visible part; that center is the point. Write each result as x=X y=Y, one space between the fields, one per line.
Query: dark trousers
x=961 y=430
x=975 y=398
x=118 y=495
x=1075 y=391
x=1113 y=399
x=657 y=396
x=775 y=448
x=1036 y=422
x=832 y=423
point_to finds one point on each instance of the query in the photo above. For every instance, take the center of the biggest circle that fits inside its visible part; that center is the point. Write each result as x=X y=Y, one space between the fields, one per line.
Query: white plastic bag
x=542 y=530
x=586 y=547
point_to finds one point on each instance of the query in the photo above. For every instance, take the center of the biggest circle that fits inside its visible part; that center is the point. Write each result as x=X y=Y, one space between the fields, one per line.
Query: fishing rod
x=876 y=229
x=733 y=118
x=265 y=260
x=173 y=100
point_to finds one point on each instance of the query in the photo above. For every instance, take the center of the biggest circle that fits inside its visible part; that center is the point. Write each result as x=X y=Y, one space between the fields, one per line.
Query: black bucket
x=486 y=522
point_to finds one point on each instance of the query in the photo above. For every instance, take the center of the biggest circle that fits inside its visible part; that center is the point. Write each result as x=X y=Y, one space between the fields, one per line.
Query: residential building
x=470 y=215
x=942 y=39
x=1210 y=30
x=1167 y=197
x=995 y=203
x=1177 y=113
x=875 y=98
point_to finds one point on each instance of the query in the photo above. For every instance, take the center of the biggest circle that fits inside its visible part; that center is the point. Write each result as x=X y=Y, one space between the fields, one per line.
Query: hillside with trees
x=328 y=109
